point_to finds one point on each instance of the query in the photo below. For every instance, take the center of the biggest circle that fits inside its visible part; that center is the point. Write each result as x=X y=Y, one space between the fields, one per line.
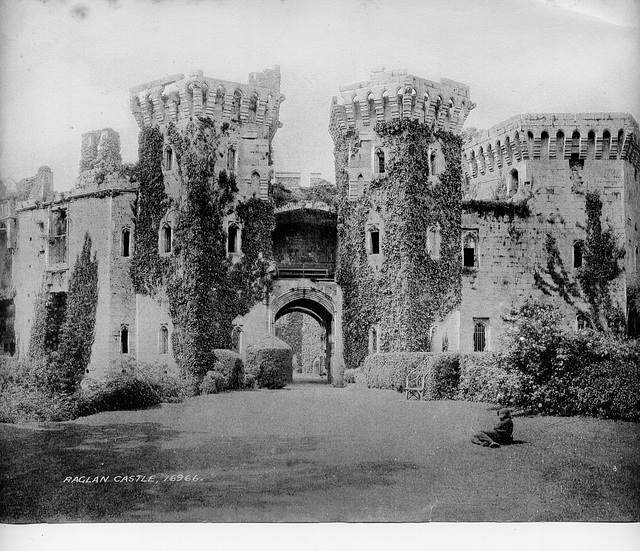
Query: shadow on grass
x=232 y=472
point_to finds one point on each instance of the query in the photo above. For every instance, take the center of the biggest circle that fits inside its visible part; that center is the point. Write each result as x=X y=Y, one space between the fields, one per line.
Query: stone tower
x=398 y=172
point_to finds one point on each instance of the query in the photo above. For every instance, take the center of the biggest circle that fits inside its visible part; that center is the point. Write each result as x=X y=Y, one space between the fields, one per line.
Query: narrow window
x=433 y=162
x=581 y=322
x=426 y=107
x=385 y=104
x=432 y=336
x=479 y=336
x=163 y=340
x=379 y=167
x=168 y=158
x=231 y=160
x=126 y=242
x=166 y=239
x=374 y=241
x=373 y=340
x=469 y=250
x=233 y=239
x=124 y=339
x=255 y=179
x=575 y=145
x=513 y=182
x=236 y=338
x=433 y=242
x=577 y=254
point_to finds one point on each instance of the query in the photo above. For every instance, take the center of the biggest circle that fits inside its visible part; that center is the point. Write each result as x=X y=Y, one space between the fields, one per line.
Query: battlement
x=553 y=136
x=391 y=95
x=176 y=98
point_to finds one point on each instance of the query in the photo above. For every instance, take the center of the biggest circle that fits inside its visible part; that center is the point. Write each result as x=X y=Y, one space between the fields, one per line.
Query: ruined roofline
x=553 y=136
x=176 y=98
x=393 y=95
x=582 y=122
x=382 y=78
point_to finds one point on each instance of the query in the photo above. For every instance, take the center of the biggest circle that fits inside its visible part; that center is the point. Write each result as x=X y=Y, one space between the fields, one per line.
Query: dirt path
x=316 y=453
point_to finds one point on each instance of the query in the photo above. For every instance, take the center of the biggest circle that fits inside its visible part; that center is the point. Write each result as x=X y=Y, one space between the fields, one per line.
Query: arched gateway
x=314 y=302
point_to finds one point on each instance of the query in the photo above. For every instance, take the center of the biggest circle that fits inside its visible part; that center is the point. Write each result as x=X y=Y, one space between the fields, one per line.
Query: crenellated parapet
x=392 y=95
x=176 y=99
x=552 y=137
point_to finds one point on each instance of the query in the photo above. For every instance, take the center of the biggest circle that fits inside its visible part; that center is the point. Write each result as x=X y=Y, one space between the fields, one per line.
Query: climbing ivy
x=600 y=268
x=593 y=280
x=78 y=329
x=411 y=289
x=497 y=209
x=204 y=288
x=147 y=266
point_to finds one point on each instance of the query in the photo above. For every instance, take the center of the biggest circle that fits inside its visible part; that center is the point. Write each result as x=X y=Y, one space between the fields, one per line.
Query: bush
x=168 y=384
x=212 y=383
x=389 y=371
x=483 y=378
x=572 y=373
x=119 y=392
x=443 y=376
x=269 y=362
x=350 y=376
x=229 y=366
x=23 y=399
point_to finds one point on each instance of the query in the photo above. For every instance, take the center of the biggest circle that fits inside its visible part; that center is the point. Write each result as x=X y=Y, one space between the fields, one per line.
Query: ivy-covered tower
x=398 y=172
x=203 y=219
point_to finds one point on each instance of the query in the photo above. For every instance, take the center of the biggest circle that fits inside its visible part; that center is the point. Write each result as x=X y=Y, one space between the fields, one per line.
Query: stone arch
x=315 y=303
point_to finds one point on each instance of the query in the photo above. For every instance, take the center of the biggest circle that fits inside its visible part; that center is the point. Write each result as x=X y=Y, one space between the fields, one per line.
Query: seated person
x=501 y=433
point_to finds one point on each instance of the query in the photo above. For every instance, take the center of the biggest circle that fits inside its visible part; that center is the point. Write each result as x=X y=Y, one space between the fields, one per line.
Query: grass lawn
x=315 y=453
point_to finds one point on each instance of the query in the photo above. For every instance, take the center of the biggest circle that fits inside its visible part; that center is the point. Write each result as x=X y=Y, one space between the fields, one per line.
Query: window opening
x=166 y=239
x=577 y=254
x=168 y=158
x=374 y=236
x=124 y=339
x=163 y=345
x=479 y=336
x=126 y=242
x=379 y=159
x=232 y=239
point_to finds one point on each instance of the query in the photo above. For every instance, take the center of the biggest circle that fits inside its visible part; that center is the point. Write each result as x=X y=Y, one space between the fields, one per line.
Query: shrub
x=229 y=366
x=443 y=376
x=168 y=384
x=389 y=370
x=572 y=373
x=212 y=383
x=269 y=362
x=483 y=378
x=350 y=376
x=119 y=392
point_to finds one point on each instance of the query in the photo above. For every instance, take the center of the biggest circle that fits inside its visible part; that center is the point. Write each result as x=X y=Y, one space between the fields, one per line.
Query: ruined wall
x=514 y=216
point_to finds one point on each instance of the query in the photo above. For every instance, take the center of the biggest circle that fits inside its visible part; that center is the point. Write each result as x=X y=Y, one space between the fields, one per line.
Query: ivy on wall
x=497 y=209
x=147 y=268
x=593 y=280
x=205 y=290
x=77 y=332
x=411 y=289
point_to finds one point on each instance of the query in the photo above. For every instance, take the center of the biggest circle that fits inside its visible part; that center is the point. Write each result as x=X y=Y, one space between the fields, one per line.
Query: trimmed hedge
x=230 y=367
x=269 y=362
x=120 y=392
x=389 y=371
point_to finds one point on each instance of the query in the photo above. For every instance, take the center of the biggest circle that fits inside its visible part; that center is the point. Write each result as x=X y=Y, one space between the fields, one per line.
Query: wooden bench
x=415 y=382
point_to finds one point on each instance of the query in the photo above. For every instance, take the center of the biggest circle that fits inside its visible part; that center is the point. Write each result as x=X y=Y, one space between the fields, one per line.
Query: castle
x=427 y=243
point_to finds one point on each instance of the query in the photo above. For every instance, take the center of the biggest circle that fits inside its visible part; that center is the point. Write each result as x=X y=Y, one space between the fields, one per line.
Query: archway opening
x=306 y=325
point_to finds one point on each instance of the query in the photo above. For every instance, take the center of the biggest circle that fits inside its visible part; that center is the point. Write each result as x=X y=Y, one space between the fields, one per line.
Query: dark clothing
x=503 y=432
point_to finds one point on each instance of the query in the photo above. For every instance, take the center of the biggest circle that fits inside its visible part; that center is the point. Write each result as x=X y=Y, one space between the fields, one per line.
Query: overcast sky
x=67 y=65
